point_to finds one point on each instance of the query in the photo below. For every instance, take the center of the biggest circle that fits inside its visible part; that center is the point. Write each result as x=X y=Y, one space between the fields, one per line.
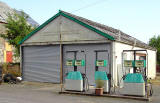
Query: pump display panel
x=128 y=63
x=140 y=63
x=79 y=63
x=102 y=63
x=70 y=62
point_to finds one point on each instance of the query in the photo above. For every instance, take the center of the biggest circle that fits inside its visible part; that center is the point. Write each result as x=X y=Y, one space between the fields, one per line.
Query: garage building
x=66 y=36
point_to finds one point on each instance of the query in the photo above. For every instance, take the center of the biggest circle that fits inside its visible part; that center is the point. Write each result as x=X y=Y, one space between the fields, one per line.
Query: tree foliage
x=16 y=29
x=155 y=42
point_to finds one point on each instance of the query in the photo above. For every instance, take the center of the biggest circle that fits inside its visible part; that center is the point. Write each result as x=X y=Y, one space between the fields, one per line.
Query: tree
x=155 y=42
x=16 y=29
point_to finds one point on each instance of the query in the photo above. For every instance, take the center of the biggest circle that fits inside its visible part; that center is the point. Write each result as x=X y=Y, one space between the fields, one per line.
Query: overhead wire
x=90 y=5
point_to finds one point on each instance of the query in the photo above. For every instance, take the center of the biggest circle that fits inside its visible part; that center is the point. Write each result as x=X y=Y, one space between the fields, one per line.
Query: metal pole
x=134 y=71
x=85 y=62
x=75 y=58
x=61 y=58
x=61 y=66
x=21 y=60
x=147 y=77
x=96 y=60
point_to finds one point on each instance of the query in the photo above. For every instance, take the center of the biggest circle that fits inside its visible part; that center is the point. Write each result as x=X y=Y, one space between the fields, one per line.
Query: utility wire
x=89 y=5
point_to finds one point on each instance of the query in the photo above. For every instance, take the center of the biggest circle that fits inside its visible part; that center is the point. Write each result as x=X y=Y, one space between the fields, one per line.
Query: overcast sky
x=138 y=18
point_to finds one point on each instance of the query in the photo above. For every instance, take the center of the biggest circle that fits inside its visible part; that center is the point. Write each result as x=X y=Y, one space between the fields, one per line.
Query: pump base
x=133 y=89
x=73 y=85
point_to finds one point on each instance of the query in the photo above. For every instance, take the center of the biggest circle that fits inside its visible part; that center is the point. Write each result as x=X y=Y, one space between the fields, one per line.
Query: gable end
x=71 y=18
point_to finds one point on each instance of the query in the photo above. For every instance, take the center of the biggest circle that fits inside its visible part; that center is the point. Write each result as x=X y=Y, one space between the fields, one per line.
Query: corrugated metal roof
x=117 y=34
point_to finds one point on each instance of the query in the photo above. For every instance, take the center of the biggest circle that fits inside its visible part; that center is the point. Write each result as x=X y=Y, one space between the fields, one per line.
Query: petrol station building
x=65 y=36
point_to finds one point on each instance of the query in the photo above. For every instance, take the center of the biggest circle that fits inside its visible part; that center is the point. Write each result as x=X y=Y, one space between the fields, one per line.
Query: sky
x=138 y=18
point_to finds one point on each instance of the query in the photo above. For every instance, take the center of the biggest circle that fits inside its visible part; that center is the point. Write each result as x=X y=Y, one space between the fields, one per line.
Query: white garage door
x=41 y=64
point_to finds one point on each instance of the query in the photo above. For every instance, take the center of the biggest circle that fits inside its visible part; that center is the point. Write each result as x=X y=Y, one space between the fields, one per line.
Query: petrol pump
x=102 y=75
x=75 y=80
x=135 y=83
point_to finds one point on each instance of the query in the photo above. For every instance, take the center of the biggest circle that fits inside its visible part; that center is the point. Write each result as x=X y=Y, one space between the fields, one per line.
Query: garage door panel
x=87 y=52
x=103 y=55
x=38 y=65
x=41 y=64
x=40 y=79
x=48 y=54
x=45 y=75
x=42 y=71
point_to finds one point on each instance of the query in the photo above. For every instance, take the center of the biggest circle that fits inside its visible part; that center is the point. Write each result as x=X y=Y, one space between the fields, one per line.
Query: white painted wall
x=151 y=64
x=119 y=47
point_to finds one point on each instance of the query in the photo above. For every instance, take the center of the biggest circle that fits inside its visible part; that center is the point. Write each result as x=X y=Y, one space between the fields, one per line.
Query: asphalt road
x=48 y=93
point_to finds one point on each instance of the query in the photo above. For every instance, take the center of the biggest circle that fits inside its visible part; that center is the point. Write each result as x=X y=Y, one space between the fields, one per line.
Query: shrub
x=99 y=83
x=10 y=68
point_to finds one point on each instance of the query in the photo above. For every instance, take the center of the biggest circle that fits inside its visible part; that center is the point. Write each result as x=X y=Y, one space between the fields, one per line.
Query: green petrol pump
x=135 y=83
x=75 y=80
x=84 y=77
x=102 y=75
